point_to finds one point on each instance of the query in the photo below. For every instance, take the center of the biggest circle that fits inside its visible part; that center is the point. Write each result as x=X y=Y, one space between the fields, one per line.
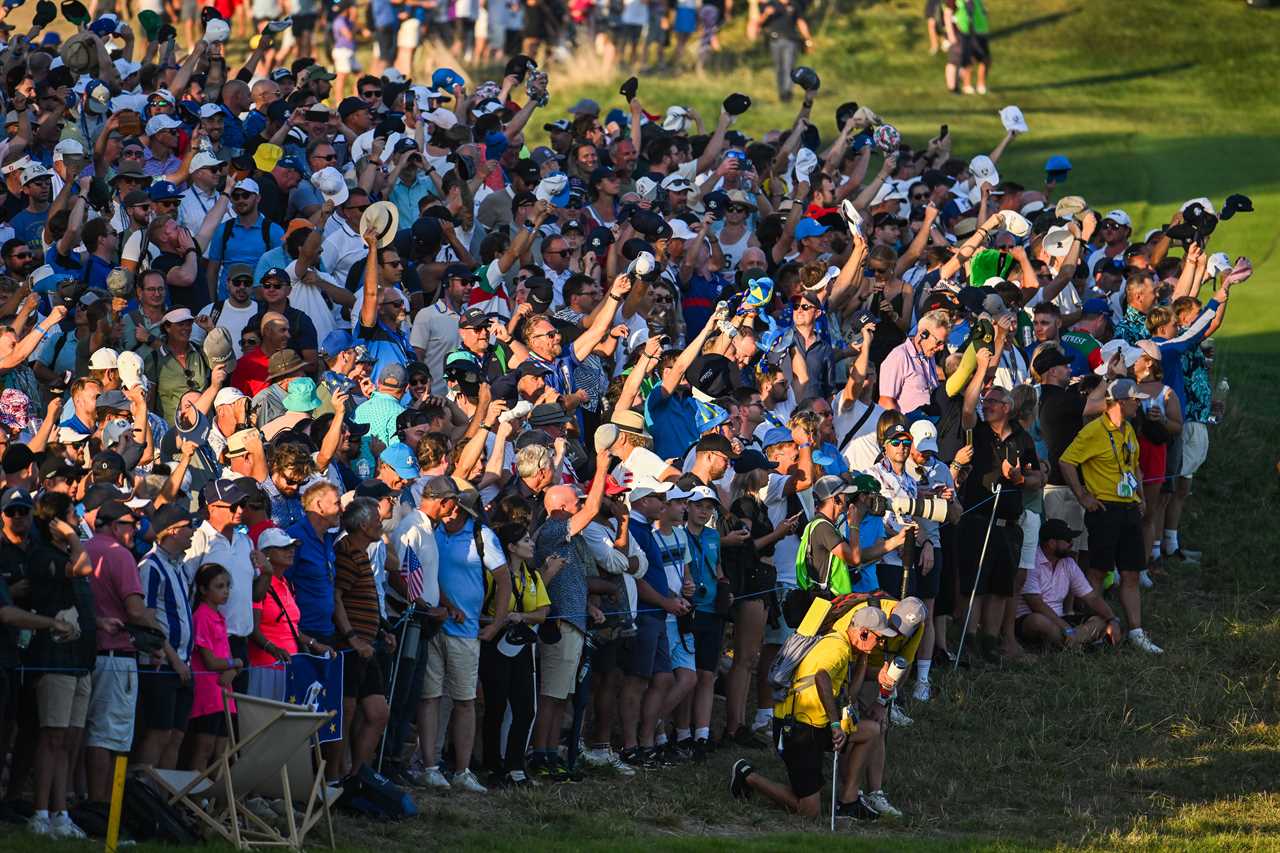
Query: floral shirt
x=1195 y=370
x=1133 y=326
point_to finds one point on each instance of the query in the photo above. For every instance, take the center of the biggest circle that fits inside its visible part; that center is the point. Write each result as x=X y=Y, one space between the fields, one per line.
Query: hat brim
x=384 y=219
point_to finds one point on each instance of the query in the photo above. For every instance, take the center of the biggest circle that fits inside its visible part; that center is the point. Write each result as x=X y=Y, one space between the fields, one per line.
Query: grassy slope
x=1154 y=103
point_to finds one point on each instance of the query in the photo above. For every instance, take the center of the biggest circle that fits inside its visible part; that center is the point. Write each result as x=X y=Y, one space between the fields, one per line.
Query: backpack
x=782 y=670
x=230 y=224
x=149 y=817
x=367 y=792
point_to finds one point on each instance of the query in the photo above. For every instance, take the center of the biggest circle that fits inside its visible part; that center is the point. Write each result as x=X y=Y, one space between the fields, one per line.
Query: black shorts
x=1073 y=619
x=932 y=8
x=1000 y=569
x=303 y=24
x=804 y=750
x=361 y=677
x=1115 y=538
x=385 y=38
x=165 y=701
x=606 y=656
x=209 y=724
x=968 y=50
x=1172 y=465
x=708 y=640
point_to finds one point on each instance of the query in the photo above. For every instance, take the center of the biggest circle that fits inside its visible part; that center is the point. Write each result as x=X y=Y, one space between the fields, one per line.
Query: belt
x=112 y=653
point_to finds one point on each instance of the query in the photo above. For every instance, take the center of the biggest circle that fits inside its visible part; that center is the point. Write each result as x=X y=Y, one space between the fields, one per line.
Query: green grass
x=1154 y=103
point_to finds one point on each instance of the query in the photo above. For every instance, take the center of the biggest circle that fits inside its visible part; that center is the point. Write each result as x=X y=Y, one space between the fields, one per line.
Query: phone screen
x=968 y=438
x=942 y=132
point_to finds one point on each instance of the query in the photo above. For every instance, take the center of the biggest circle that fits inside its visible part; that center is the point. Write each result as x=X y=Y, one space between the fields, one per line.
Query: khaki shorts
x=409 y=34
x=453 y=665
x=112 y=702
x=1195 y=448
x=62 y=701
x=559 y=663
x=1060 y=502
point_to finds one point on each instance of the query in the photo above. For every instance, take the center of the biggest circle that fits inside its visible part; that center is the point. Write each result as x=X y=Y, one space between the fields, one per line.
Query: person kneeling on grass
x=1040 y=618
x=806 y=723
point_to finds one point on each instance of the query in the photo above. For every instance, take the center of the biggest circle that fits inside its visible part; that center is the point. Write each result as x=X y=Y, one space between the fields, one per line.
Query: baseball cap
x=715 y=443
x=898 y=432
x=776 y=436
x=474 y=317
x=274 y=537
x=336 y=342
x=375 y=489
x=1048 y=358
x=401 y=459
x=1057 y=528
x=809 y=228
x=1124 y=389
x=1119 y=217
x=752 y=460
x=924 y=435
x=829 y=486
x=1095 y=307
x=441 y=488
x=872 y=618
x=15 y=497
x=167 y=516
x=222 y=491
x=642 y=487
x=907 y=616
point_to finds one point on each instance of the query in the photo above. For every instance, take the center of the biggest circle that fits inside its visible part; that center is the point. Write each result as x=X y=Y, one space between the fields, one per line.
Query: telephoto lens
x=930 y=509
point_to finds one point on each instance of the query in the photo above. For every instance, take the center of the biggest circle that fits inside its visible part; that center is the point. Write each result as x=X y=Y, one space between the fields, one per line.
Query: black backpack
x=229 y=226
x=367 y=792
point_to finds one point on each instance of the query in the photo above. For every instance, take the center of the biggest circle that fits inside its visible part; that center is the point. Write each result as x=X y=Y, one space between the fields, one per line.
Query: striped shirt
x=166 y=584
x=354 y=580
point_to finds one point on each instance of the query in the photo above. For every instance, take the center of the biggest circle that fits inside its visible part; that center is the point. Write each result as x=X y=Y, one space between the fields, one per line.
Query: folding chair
x=305 y=769
x=216 y=795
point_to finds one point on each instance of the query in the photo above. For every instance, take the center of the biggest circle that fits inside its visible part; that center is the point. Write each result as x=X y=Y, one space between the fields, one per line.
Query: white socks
x=1171 y=541
x=764 y=717
x=683 y=734
x=702 y=733
x=922 y=670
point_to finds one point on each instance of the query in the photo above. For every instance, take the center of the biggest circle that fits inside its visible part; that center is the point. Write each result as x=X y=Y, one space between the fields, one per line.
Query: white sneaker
x=64 y=827
x=1139 y=638
x=969 y=90
x=39 y=825
x=982 y=89
x=922 y=692
x=878 y=801
x=899 y=718
x=1144 y=580
x=607 y=758
x=433 y=778
x=467 y=781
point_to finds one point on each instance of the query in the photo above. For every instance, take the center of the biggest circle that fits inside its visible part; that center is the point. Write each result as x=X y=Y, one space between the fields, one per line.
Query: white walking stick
x=977 y=577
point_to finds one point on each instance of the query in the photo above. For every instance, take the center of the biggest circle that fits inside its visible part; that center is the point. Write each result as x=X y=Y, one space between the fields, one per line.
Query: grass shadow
x=1033 y=23
x=1102 y=79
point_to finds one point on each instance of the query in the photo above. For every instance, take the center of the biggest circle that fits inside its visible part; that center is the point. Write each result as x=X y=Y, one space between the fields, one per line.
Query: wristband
x=834 y=726
x=41 y=329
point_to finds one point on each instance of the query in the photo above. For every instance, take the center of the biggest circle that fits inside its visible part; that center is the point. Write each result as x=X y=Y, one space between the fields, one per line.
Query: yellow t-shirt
x=1102 y=466
x=533 y=593
x=832 y=654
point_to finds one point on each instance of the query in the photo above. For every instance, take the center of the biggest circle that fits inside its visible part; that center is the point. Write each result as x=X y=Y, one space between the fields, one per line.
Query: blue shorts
x=648 y=654
x=680 y=647
x=686 y=19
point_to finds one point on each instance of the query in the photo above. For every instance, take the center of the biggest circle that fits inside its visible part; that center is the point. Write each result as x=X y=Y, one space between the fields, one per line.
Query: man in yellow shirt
x=1105 y=454
x=806 y=723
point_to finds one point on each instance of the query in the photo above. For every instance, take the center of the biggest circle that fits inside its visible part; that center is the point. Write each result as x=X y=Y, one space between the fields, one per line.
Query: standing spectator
x=1101 y=468
x=211 y=702
x=784 y=24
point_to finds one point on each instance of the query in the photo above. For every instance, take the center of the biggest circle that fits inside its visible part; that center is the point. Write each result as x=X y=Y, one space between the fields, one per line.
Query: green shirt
x=971 y=17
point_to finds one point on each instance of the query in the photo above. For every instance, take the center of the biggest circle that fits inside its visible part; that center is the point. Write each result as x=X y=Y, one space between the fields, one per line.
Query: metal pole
x=972 y=593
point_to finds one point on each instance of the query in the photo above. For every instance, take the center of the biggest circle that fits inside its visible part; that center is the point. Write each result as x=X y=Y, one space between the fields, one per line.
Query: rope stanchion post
x=117 y=805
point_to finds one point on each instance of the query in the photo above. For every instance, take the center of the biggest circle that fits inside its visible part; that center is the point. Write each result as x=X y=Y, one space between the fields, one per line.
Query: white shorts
x=1060 y=502
x=410 y=33
x=345 y=62
x=1195 y=447
x=114 y=698
x=1030 y=539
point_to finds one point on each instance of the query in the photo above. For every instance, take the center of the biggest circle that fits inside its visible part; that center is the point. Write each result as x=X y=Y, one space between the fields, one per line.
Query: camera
x=929 y=509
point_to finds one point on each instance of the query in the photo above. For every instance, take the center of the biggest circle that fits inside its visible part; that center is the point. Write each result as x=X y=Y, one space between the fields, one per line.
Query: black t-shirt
x=302 y=332
x=950 y=423
x=989 y=450
x=272 y=202
x=52 y=592
x=1061 y=417
x=780 y=19
x=823 y=539
x=192 y=298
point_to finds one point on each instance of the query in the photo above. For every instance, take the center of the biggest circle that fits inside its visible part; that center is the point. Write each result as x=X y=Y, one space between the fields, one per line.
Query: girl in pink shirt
x=212 y=665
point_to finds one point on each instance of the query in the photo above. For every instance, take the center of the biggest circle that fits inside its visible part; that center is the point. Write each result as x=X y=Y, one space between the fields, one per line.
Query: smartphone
x=968 y=438
x=942 y=132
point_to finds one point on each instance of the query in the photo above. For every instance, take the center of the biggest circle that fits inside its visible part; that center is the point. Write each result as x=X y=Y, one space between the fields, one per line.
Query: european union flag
x=316 y=683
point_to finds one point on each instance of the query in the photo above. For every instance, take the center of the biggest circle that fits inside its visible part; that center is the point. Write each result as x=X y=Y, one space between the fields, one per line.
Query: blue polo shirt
x=387 y=345
x=233 y=134
x=244 y=246
x=462 y=578
x=705 y=548
x=253 y=125
x=656 y=577
x=870 y=531
x=671 y=422
x=312 y=575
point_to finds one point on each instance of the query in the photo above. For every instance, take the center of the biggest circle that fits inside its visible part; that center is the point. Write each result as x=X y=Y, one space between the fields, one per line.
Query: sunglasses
x=805 y=306
x=919 y=196
x=396 y=263
x=994 y=401
x=371 y=93
x=17 y=511
x=126 y=522
x=241 y=282
x=274 y=285
x=738 y=208
x=1108 y=225
x=167 y=202
x=899 y=442
x=327 y=158
x=241 y=195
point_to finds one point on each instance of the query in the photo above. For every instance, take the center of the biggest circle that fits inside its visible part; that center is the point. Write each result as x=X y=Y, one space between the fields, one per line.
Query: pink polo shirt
x=1052 y=583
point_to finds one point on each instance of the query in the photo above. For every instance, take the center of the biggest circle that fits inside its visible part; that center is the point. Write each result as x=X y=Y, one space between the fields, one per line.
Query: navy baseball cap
x=1095 y=306
x=164 y=191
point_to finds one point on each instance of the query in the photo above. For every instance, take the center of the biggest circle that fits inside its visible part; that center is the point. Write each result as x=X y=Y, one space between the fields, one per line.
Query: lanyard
x=1123 y=467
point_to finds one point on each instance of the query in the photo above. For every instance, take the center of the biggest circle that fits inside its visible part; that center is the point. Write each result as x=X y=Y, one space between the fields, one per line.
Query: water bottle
x=1219 y=405
x=409 y=642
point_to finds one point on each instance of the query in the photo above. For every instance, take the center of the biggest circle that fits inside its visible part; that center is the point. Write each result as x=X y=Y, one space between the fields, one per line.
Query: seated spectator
x=1041 y=617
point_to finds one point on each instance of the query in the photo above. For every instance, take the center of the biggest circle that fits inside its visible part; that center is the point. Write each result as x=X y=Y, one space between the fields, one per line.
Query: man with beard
x=1040 y=616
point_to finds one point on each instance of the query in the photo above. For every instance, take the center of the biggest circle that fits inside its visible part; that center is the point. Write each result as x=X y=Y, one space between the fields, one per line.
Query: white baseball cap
x=249 y=185
x=178 y=315
x=274 y=537
x=1119 y=217
x=157 y=123
x=925 y=436
x=104 y=359
x=227 y=396
x=642 y=487
x=330 y=184
x=204 y=160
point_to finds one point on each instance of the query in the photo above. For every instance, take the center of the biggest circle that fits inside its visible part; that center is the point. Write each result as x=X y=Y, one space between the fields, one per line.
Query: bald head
x=272 y=317
x=560 y=499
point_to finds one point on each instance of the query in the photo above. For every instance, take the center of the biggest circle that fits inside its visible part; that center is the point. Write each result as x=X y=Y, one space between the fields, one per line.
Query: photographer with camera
x=1004 y=464
x=833 y=548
